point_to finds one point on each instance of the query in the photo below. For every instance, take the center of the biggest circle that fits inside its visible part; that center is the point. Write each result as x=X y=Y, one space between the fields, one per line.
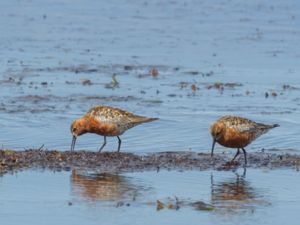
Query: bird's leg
x=104 y=143
x=245 y=155
x=119 y=146
x=237 y=153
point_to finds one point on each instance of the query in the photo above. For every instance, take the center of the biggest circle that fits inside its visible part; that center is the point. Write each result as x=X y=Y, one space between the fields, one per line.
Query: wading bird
x=106 y=121
x=237 y=132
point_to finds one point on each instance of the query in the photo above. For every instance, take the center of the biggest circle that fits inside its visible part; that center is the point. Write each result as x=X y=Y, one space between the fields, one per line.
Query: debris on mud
x=274 y=94
x=86 y=82
x=194 y=87
x=203 y=74
x=154 y=72
x=286 y=87
x=202 y=206
x=159 y=205
x=171 y=204
x=128 y=162
x=175 y=204
x=114 y=82
x=266 y=95
x=222 y=86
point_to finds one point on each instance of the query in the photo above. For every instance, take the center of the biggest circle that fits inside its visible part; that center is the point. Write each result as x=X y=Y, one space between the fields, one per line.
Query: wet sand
x=129 y=162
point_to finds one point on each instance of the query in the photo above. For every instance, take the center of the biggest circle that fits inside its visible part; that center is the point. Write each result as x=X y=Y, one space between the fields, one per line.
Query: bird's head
x=217 y=130
x=78 y=127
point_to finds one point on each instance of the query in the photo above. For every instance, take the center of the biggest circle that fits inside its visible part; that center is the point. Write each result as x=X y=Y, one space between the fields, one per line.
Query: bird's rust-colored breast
x=104 y=129
x=232 y=138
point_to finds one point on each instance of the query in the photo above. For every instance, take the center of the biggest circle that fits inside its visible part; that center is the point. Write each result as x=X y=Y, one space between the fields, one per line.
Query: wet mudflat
x=186 y=62
x=12 y=161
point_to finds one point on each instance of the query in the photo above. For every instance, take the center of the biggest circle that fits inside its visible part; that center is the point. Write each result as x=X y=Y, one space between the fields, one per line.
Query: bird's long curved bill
x=73 y=143
x=212 y=148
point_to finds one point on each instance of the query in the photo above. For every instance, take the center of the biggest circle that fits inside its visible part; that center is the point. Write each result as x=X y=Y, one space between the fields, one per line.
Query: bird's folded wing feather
x=242 y=125
x=110 y=115
x=252 y=127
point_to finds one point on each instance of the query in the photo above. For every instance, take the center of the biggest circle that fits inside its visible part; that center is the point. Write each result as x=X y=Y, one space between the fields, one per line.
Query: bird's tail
x=266 y=126
x=142 y=119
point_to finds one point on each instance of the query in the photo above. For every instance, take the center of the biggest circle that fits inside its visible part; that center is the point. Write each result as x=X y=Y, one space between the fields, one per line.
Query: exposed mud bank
x=127 y=162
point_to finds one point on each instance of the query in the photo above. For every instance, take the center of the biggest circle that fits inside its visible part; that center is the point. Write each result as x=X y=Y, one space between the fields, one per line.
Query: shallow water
x=79 y=197
x=58 y=58
x=46 y=57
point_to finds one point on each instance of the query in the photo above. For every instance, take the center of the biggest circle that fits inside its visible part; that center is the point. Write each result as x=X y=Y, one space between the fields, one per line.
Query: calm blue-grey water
x=85 y=198
x=57 y=59
x=64 y=43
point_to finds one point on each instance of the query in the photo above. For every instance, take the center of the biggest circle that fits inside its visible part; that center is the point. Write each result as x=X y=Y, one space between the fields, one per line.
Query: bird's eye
x=74 y=129
x=218 y=133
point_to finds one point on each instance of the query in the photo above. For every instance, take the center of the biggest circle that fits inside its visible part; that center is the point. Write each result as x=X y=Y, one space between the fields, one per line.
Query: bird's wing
x=250 y=126
x=241 y=124
x=244 y=125
x=110 y=114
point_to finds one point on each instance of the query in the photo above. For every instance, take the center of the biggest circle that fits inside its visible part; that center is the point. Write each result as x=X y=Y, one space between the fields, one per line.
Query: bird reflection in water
x=235 y=194
x=103 y=187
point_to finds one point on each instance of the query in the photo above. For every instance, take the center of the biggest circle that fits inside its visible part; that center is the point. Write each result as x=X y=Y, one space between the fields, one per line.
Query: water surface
x=57 y=60
x=77 y=197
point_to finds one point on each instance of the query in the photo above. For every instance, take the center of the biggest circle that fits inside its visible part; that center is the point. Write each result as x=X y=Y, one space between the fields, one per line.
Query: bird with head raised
x=237 y=132
x=106 y=121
